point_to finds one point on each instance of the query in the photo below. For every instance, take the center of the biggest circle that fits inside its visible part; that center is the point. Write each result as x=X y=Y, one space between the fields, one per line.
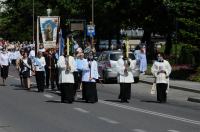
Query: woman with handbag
x=25 y=64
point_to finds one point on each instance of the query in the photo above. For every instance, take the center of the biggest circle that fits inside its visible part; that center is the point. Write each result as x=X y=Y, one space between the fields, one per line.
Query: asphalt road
x=23 y=111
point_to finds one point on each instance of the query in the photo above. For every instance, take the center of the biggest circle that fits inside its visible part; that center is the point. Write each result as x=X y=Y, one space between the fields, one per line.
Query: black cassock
x=90 y=92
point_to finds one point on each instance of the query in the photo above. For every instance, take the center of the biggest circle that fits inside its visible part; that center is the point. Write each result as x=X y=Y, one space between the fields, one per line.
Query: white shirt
x=64 y=76
x=41 y=50
x=158 y=66
x=16 y=55
x=122 y=78
x=87 y=72
x=32 y=54
x=4 y=58
x=39 y=64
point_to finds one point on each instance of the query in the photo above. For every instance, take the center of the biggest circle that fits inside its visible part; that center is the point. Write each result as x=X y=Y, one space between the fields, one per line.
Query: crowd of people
x=70 y=73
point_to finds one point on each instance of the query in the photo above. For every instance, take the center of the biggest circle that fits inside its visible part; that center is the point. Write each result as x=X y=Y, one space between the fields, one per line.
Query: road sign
x=91 y=30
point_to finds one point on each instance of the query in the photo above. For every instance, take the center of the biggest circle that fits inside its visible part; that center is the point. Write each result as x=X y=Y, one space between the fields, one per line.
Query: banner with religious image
x=49 y=30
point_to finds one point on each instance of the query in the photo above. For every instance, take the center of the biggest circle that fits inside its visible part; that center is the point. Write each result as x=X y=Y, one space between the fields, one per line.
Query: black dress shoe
x=70 y=102
x=124 y=101
x=63 y=101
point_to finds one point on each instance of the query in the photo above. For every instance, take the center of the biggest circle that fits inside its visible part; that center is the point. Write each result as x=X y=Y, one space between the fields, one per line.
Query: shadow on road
x=149 y=101
x=53 y=101
x=118 y=101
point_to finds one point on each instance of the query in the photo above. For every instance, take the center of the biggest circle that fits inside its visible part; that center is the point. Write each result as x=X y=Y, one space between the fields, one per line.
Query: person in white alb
x=4 y=64
x=125 y=76
x=66 y=66
x=161 y=69
x=39 y=63
x=16 y=55
x=89 y=76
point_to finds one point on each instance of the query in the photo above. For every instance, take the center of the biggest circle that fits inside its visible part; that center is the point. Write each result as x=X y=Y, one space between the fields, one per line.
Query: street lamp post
x=92 y=23
x=49 y=11
x=92 y=11
x=33 y=22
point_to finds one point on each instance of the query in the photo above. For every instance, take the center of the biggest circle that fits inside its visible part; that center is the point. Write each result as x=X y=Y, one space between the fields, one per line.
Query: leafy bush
x=187 y=54
x=182 y=72
x=196 y=76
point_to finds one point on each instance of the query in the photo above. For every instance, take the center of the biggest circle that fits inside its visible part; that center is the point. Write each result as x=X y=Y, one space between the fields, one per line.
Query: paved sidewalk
x=177 y=84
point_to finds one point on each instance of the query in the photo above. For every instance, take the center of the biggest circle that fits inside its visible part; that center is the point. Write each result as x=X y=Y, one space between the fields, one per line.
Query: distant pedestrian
x=32 y=53
x=143 y=60
x=4 y=64
x=16 y=55
x=79 y=58
x=25 y=64
x=40 y=71
x=50 y=69
x=18 y=65
x=161 y=69
x=41 y=48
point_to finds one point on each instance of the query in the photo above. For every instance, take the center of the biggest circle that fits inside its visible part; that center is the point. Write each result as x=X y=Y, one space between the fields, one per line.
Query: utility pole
x=33 y=21
x=93 y=12
x=92 y=37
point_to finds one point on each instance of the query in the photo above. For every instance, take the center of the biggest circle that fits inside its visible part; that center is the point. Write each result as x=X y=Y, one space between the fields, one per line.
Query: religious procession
x=72 y=73
x=69 y=66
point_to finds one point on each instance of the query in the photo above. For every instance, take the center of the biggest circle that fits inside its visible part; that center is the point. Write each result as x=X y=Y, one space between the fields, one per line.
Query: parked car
x=107 y=65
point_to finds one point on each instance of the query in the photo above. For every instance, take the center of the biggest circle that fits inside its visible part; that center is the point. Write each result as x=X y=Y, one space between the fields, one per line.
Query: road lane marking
x=108 y=120
x=142 y=111
x=173 y=131
x=48 y=96
x=81 y=110
x=138 y=130
x=10 y=76
x=151 y=112
x=33 y=83
x=17 y=79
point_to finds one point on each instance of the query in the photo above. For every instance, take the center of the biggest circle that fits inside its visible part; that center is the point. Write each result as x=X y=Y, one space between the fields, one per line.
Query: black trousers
x=161 y=92
x=57 y=78
x=52 y=76
x=77 y=81
x=125 y=91
x=4 y=71
x=39 y=75
x=90 y=92
x=84 y=85
x=67 y=92
x=13 y=62
x=47 y=77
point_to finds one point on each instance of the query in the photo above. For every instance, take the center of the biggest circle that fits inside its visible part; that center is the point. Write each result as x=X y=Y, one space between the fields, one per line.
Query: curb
x=176 y=87
x=191 y=99
x=194 y=99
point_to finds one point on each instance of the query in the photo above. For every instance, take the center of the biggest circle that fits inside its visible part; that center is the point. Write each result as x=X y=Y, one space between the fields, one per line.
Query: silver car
x=107 y=65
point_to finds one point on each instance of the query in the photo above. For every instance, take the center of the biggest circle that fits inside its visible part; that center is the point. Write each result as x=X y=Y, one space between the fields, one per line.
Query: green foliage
x=181 y=74
x=163 y=17
x=187 y=54
x=196 y=77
